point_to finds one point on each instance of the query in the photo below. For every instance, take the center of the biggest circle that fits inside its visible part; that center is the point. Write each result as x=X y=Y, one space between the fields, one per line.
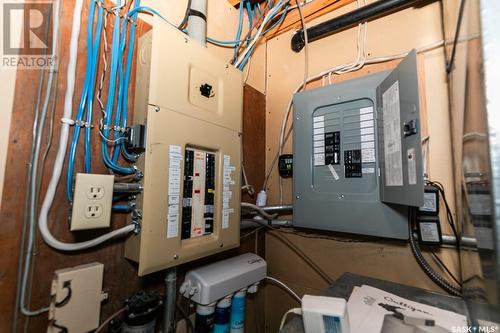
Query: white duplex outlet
x=92 y=201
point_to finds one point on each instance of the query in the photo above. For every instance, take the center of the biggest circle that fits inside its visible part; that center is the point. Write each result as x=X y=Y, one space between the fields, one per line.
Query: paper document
x=371 y=310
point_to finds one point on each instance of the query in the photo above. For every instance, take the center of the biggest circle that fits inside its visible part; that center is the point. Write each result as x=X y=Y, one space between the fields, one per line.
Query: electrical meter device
x=191 y=105
x=357 y=154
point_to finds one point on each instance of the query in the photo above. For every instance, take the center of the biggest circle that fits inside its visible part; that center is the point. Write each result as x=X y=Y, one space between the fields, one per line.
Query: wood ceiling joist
x=312 y=10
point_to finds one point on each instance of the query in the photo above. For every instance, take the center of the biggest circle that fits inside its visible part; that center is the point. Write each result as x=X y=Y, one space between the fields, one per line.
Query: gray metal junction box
x=357 y=154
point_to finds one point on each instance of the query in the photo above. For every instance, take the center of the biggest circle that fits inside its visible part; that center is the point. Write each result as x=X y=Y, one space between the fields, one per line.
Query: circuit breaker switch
x=410 y=127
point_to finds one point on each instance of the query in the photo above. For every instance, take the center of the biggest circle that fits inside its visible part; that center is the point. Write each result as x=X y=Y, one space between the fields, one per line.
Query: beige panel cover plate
x=179 y=116
x=80 y=313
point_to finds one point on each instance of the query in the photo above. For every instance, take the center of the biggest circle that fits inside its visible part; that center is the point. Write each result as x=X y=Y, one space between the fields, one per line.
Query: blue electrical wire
x=111 y=98
x=146 y=9
x=243 y=63
x=82 y=104
x=122 y=208
x=250 y=21
x=123 y=102
x=239 y=29
x=90 y=95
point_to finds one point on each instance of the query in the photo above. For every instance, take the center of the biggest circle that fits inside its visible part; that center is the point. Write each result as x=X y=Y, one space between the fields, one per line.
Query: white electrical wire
x=285 y=287
x=297 y=311
x=357 y=64
x=259 y=210
x=257 y=36
x=61 y=153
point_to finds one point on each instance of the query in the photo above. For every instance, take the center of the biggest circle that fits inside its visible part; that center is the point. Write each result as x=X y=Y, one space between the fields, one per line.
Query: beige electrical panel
x=191 y=104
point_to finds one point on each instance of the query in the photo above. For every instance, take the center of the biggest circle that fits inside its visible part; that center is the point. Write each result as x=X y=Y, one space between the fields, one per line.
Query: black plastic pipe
x=368 y=12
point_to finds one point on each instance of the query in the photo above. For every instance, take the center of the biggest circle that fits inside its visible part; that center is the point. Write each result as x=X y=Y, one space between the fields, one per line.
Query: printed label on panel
x=392 y=137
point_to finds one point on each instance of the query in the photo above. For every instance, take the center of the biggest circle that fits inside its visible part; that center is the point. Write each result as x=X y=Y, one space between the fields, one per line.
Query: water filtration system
x=219 y=291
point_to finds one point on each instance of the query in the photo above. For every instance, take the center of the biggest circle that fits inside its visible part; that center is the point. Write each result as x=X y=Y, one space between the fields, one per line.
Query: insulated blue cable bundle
x=238 y=31
x=90 y=95
x=116 y=69
x=110 y=164
x=87 y=95
x=250 y=21
x=243 y=63
x=124 y=86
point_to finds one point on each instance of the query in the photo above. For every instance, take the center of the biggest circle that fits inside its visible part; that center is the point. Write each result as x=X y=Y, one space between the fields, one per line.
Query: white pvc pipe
x=61 y=153
x=197 y=26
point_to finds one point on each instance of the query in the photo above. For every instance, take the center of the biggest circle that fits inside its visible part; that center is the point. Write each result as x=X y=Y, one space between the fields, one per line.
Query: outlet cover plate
x=92 y=201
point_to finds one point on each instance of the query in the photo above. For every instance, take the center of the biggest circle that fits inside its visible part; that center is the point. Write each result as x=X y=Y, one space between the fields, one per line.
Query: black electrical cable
x=66 y=285
x=449 y=65
x=442 y=264
x=62 y=329
x=431 y=273
x=449 y=215
x=186 y=16
x=298 y=251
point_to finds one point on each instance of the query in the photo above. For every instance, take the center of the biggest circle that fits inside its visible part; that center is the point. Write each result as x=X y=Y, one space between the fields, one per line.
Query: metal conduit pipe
x=278 y=208
x=250 y=224
x=169 y=323
x=368 y=12
x=281 y=209
x=127 y=187
x=451 y=240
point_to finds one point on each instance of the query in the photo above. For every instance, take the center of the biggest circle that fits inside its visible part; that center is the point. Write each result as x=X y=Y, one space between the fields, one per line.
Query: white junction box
x=76 y=298
x=322 y=314
x=191 y=103
x=92 y=201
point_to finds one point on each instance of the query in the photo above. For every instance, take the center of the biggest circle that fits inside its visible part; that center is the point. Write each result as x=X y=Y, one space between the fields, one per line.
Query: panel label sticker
x=369 y=137
x=366 y=110
x=319 y=124
x=366 y=116
x=392 y=137
x=319 y=143
x=368 y=155
x=367 y=130
x=319 y=159
x=320 y=130
x=367 y=123
x=367 y=145
x=174 y=188
x=368 y=170
x=227 y=194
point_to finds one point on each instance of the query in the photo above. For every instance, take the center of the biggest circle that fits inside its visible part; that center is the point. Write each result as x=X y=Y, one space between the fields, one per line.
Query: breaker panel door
x=400 y=146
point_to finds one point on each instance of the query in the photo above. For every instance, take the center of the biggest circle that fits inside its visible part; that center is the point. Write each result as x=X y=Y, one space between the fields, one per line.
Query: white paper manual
x=371 y=310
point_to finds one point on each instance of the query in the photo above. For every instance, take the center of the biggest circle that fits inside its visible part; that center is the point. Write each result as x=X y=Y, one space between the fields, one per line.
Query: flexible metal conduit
x=368 y=12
